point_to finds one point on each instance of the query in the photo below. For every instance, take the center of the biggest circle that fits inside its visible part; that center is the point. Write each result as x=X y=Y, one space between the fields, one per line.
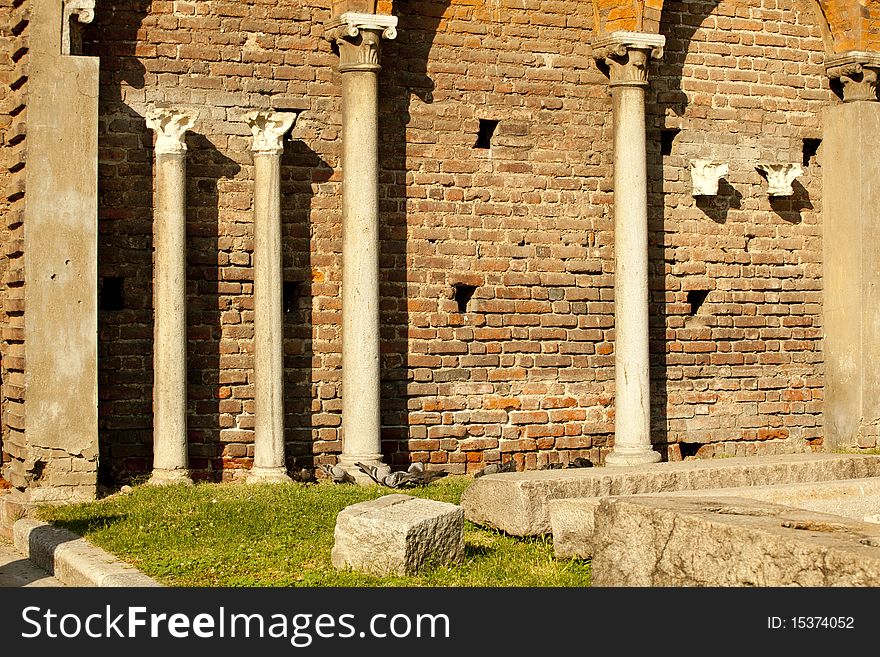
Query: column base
x=348 y=461
x=629 y=457
x=268 y=476
x=170 y=477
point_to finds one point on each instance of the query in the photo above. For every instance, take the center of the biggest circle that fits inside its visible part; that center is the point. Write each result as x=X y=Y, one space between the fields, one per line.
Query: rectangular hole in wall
x=810 y=149
x=111 y=293
x=290 y=295
x=667 y=137
x=484 y=135
x=689 y=450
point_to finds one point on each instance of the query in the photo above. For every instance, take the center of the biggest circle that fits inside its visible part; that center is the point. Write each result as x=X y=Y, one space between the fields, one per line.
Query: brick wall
x=743 y=85
x=13 y=113
x=497 y=263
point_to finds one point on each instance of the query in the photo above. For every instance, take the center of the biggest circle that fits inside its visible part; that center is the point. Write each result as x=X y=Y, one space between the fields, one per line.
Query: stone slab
x=72 y=559
x=573 y=521
x=516 y=502
x=729 y=541
x=398 y=535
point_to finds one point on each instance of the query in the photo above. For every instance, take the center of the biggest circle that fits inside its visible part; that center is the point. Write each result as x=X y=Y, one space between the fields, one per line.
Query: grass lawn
x=281 y=535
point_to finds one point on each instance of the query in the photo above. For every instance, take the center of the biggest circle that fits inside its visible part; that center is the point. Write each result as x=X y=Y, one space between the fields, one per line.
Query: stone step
x=517 y=502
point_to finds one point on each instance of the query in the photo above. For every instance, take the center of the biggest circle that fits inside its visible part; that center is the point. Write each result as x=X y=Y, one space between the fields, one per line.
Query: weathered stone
x=573 y=520
x=398 y=535
x=711 y=541
x=516 y=502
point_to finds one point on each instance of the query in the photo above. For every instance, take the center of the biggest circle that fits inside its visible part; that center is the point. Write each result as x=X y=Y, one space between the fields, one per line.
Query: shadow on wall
x=125 y=209
x=207 y=298
x=300 y=169
x=404 y=75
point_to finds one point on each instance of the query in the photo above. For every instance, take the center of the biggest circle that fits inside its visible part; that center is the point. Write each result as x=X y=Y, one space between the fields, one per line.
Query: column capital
x=623 y=56
x=358 y=37
x=857 y=72
x=84 y=11
x=170 y=126
x=268 y=128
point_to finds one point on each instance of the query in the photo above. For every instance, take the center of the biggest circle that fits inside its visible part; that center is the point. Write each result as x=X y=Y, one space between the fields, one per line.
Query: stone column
x=170 y=460
x=851 y=241
x=624 y=57
x=268 y=129
x=357 y=36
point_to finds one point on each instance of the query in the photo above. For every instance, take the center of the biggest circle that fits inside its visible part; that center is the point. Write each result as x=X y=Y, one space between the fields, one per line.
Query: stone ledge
x=573 y=520
x=516 y=502
x=72 y=559
x=729 y=541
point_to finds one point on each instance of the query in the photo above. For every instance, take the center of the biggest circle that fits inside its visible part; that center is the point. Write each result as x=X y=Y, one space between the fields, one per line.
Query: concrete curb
x=72 y=559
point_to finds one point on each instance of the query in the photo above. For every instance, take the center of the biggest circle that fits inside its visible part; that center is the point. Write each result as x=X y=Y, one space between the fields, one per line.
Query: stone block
x=398 y=535
x=573 y=520
x=729 y=541
x=517 y=502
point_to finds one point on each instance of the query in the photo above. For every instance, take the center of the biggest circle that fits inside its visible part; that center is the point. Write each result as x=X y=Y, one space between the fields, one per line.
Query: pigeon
x=421 y=477
x=495 y=468
x=580 y=462
x=303 y=475
x=376 y=473
x=337 y=473
x=551 y=466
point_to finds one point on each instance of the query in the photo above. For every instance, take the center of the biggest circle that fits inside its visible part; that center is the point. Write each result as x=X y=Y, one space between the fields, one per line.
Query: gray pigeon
x=370 y=470
x=421 y=476
x=337 y=473
x=397 y=479
x=303 y=475
x=496 y=468
x=580 y=462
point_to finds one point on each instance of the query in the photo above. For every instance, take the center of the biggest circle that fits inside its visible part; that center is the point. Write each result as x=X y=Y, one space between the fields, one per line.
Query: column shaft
x=361 y=426
x=170 y=459
x=268 y=323
x=632 y=428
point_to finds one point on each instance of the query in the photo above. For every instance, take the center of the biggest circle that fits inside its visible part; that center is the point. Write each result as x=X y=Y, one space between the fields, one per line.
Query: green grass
x=281 y=535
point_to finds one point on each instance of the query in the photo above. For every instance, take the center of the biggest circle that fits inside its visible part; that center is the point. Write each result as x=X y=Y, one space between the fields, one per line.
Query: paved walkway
x=15 y=570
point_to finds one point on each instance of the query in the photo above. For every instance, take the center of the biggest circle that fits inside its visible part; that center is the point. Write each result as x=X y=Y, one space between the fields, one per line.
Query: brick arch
x=845 y=24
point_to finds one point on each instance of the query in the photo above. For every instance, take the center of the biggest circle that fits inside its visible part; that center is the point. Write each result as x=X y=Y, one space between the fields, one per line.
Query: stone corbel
x=857 y=73
x=268 y=128
x=170 y=126
x=71 y=35
x=705 y=175
x=358 y=36
x=780 y=177
x=623 y=56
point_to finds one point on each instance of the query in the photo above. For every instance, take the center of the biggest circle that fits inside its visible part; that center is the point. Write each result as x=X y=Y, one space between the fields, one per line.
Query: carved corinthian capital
x=268 y=128
x=71 y=38
x=170 y=126
x=624 y=56
x=857 y=73
x=358 y=37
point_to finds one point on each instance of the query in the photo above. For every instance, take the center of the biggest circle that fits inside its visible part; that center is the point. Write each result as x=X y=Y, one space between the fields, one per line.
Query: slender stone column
x=357 y=37
x=170 y=459
x=624 y=57
x=851 y=240
x=268 y=129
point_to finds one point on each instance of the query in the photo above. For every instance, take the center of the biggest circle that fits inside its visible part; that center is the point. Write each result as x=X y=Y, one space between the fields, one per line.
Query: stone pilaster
x=268 y=129
x=624 y=57
x=851 y=241
x=358 y=38
x=170 y=450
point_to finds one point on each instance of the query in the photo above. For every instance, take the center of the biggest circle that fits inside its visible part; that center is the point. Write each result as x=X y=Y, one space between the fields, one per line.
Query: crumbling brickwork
x=13 y=121
x=496 y=229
